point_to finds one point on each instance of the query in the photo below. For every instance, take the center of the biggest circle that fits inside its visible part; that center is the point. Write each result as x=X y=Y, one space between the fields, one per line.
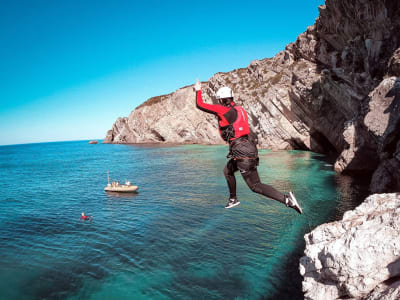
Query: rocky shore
x=357 y=257
x=335 y=90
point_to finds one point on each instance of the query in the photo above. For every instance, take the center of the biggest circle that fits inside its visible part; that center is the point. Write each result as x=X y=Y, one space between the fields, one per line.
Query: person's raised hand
x=197 y=86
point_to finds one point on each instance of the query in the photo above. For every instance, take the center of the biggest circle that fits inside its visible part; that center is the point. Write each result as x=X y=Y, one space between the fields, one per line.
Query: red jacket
x=232 y=120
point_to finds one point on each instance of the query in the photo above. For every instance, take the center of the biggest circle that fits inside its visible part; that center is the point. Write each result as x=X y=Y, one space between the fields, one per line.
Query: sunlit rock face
x=169 y=118
x=357 y=257
x=327 y=92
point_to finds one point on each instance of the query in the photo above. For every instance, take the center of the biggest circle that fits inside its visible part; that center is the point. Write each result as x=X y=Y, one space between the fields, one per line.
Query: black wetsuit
x=245 y=159
x=243 y=155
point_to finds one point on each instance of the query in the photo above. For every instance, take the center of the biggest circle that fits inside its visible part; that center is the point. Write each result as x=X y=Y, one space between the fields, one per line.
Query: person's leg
x=248 y=169
x=229 y=171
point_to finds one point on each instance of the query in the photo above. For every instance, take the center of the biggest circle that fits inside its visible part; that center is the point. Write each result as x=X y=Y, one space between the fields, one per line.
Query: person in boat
x=85 y=218
x=243 y=154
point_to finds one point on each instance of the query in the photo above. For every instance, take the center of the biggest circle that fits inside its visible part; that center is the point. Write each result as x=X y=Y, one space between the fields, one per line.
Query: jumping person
x=234 y=129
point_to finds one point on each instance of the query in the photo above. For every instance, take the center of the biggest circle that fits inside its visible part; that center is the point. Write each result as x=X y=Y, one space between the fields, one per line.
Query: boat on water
x=115 y=186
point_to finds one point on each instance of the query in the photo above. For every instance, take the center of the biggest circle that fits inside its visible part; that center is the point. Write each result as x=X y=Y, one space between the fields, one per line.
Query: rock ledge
x=357 y=257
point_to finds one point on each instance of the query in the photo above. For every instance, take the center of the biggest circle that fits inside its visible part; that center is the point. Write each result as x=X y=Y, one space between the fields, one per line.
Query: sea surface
x=172 y=240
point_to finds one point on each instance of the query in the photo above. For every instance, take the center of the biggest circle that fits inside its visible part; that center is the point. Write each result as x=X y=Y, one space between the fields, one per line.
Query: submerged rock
x=357 y=257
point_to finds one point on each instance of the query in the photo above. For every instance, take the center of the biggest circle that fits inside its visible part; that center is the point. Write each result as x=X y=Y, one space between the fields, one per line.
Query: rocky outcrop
x=357 y=257
x=327 y=92
x=169 y=118
x=120 y=132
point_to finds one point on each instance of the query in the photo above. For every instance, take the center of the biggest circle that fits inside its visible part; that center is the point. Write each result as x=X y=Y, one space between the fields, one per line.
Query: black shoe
x=290 y=201
x=232 y=203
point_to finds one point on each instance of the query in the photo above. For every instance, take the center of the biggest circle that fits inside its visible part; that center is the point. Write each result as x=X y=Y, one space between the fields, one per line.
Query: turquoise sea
x=172 y=240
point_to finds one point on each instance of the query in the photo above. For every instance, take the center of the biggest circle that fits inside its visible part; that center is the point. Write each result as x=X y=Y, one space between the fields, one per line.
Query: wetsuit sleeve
x=209 y=108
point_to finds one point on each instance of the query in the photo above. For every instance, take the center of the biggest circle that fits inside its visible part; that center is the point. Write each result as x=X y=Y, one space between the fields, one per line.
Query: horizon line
x=47 y=142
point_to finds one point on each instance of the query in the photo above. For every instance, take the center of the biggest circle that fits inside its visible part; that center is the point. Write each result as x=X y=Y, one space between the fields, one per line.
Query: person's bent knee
x=227 y=172
x=255 y=188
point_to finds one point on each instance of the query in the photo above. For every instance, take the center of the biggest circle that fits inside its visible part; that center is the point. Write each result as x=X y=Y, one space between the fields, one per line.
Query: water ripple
x=172 y=240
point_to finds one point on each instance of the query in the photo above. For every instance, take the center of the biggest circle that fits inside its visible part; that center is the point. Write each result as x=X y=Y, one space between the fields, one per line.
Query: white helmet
x=224 y=92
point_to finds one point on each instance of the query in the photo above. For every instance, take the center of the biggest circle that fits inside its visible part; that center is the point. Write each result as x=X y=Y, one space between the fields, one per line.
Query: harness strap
x=245 y=158
x=239 y=140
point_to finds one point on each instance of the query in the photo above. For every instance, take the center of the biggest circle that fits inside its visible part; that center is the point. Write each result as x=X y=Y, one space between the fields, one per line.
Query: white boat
x=115 y=186
x=122 y=188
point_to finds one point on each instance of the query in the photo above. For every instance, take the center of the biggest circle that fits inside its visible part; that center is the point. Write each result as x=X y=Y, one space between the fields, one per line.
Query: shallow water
x=172 y=240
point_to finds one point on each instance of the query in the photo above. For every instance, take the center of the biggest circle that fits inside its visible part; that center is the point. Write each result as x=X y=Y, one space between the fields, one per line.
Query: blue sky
x=70 y=68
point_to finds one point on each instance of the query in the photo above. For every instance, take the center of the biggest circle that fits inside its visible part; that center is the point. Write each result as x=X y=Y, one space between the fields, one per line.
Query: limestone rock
x=120 y=133
x=386 y=177
x=353 y=257
x=386 y=291
x=394 y=64
x=169 y=118
x=377 y=117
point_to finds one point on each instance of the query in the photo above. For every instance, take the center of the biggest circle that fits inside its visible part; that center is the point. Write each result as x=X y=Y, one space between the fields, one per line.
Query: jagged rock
x=170 y=118
x=120 y=133
x=353 y=257
x=305 y=97
x=377 y=118
x=394 y=64
x=387 y=176
x=386 y=291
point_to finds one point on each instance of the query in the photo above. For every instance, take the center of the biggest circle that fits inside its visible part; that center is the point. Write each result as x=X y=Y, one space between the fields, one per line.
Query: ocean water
x=172 y=240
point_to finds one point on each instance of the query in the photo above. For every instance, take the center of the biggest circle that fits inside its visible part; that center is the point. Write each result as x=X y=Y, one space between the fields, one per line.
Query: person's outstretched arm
x=208 y=108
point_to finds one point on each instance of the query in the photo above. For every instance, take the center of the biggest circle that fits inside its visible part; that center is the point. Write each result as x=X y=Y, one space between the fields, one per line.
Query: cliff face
x=328 y=92
x=357 y=257
x=169 y=118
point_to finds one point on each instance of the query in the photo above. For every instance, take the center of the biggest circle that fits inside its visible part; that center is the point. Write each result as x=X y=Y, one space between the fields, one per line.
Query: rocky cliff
x=357 y=257
x=327 y=92
x=169 y=118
